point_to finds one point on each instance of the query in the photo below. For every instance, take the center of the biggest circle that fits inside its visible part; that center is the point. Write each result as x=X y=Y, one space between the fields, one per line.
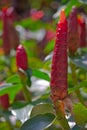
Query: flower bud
x=59 y=61
x=4 y=101
x=21 y=58
x=82 y=31
x=73 y=35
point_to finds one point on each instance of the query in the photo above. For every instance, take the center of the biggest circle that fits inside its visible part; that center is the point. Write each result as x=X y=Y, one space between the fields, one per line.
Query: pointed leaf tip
x=62 y=16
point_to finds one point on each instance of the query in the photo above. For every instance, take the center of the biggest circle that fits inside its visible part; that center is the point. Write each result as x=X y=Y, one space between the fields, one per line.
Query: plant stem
x=26 y=93
x=73 y=69
x=9 y=125
x=78 y=93
x=61 y=117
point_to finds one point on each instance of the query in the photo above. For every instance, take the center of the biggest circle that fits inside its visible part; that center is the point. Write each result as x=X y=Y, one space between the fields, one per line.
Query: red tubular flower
x=4 y=101
x=21 y=58
x=82 y=31
x=6 y=44
x=73 y=35
x=59 y=62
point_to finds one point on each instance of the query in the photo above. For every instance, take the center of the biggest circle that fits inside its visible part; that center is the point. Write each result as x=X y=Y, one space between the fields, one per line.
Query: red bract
x=73 y=36
x=37 y=15
x=82 y=31
x=10 y=35
x=59 y=62
x=4 y=101
x=50 y=35
x=21 y=58
x=6 y=44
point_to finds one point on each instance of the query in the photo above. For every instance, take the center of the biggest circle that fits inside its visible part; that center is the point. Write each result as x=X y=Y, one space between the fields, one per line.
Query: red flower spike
x=59 y=62
x=21 y=58
x=6 y=44
x=4 y=101
x=82 y=31
x=73 y=35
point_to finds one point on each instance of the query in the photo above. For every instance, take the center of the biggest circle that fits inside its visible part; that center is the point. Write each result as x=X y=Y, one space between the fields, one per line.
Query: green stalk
x=24 y=79
x=27 y=94
x=61 y=117
x=9 y=125
x=75 y=80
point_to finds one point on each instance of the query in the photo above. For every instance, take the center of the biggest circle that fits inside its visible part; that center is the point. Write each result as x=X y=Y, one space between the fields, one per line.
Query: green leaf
x=33 y=62
x=80 y=114
x=83 y=1
x=23 y=113
x=76 y=127
x=13 y=79
x=41 y=109
x=3 y=126
x=38 y=122
x=64 y=1
x=30 y=46
x=71 y=3
x=19 y=105
x=1 y=41
x=1 y=24
x=40 y=74
x=32 y=24
x=49 y=47
x=80 y=61
x=80 y=85
x=10 y=89
x=83 y=50
x=43 y=99
x=29 y=74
